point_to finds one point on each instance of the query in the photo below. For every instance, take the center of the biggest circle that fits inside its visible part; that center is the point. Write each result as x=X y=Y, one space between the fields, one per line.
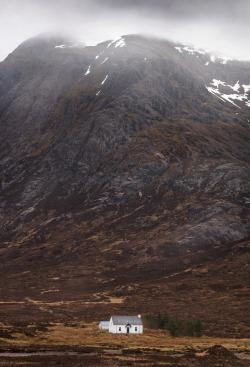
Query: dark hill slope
x=120 y=169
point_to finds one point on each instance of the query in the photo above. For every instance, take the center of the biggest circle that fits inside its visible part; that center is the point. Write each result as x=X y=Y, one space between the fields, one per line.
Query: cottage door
x=127 y=329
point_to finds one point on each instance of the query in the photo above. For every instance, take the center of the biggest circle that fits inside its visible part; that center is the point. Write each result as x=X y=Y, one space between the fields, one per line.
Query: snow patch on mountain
x=195 y=50
x=61 y=46
x=105 y=60
x=224 y=59
x=190 y=51
x=216 y=83
x=71 y=44
x=236 y=86
x=120 y=42
x=88 y=71
x=179 y=49
x=246 y=88
x=97 y=57
x=242 y=97
x=106 y=77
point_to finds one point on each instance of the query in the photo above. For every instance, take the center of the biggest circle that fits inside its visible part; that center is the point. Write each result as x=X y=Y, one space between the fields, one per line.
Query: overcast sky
x=222 y=25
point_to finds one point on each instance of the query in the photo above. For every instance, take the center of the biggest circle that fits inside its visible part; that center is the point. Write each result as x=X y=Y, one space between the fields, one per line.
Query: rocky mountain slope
x=124 y=175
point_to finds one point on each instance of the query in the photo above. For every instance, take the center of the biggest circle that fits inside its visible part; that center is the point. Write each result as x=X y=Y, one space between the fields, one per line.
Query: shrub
x=174 y=325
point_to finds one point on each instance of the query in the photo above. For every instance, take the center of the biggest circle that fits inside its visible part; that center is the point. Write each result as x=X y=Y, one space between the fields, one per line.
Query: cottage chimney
x=139 y=316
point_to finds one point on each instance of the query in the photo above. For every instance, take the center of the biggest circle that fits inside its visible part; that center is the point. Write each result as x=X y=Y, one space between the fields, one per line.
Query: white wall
x=103 y=327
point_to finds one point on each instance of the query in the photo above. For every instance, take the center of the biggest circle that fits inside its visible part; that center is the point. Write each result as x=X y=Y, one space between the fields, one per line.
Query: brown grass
x=88 y=335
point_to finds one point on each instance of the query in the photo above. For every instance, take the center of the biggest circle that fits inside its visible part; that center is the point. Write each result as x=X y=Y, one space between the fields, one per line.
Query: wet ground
x=215 y=356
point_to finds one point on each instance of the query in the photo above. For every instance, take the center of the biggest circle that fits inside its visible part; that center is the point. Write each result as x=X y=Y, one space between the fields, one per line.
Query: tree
x=198 y=328
x=190 y=328
x=165 y=320
x=150 y=321
x=174 y=326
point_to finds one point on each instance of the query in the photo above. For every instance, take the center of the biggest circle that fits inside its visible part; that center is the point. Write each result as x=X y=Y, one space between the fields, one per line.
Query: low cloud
x=221 y=25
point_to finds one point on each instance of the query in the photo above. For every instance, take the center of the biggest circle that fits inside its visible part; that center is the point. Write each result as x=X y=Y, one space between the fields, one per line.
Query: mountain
x=124 y=182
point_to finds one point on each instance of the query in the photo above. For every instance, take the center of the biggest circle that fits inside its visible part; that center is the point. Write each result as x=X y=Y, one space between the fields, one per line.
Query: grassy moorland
x=85 y=345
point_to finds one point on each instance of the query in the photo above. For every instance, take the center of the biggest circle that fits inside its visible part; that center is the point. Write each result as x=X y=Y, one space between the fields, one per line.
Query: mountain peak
x=130 y=155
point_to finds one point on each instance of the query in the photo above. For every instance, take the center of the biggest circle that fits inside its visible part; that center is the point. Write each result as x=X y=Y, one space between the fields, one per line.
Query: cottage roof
x=124 y=320
x=104 y=323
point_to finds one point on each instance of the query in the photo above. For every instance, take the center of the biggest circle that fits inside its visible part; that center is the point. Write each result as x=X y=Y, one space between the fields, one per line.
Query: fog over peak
x=218 y=25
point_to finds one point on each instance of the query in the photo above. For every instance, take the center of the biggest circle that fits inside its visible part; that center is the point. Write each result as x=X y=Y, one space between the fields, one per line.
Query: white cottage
x=103 y=325
x=126 y=325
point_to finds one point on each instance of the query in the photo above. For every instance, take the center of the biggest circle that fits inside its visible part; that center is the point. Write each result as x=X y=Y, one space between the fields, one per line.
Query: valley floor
x=85 y=345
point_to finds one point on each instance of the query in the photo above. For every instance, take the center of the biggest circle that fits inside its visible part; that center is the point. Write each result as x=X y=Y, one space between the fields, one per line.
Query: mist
x=222 y=26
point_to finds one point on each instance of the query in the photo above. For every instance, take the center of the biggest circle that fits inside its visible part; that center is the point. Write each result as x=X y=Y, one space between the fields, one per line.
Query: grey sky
x=222 y=25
